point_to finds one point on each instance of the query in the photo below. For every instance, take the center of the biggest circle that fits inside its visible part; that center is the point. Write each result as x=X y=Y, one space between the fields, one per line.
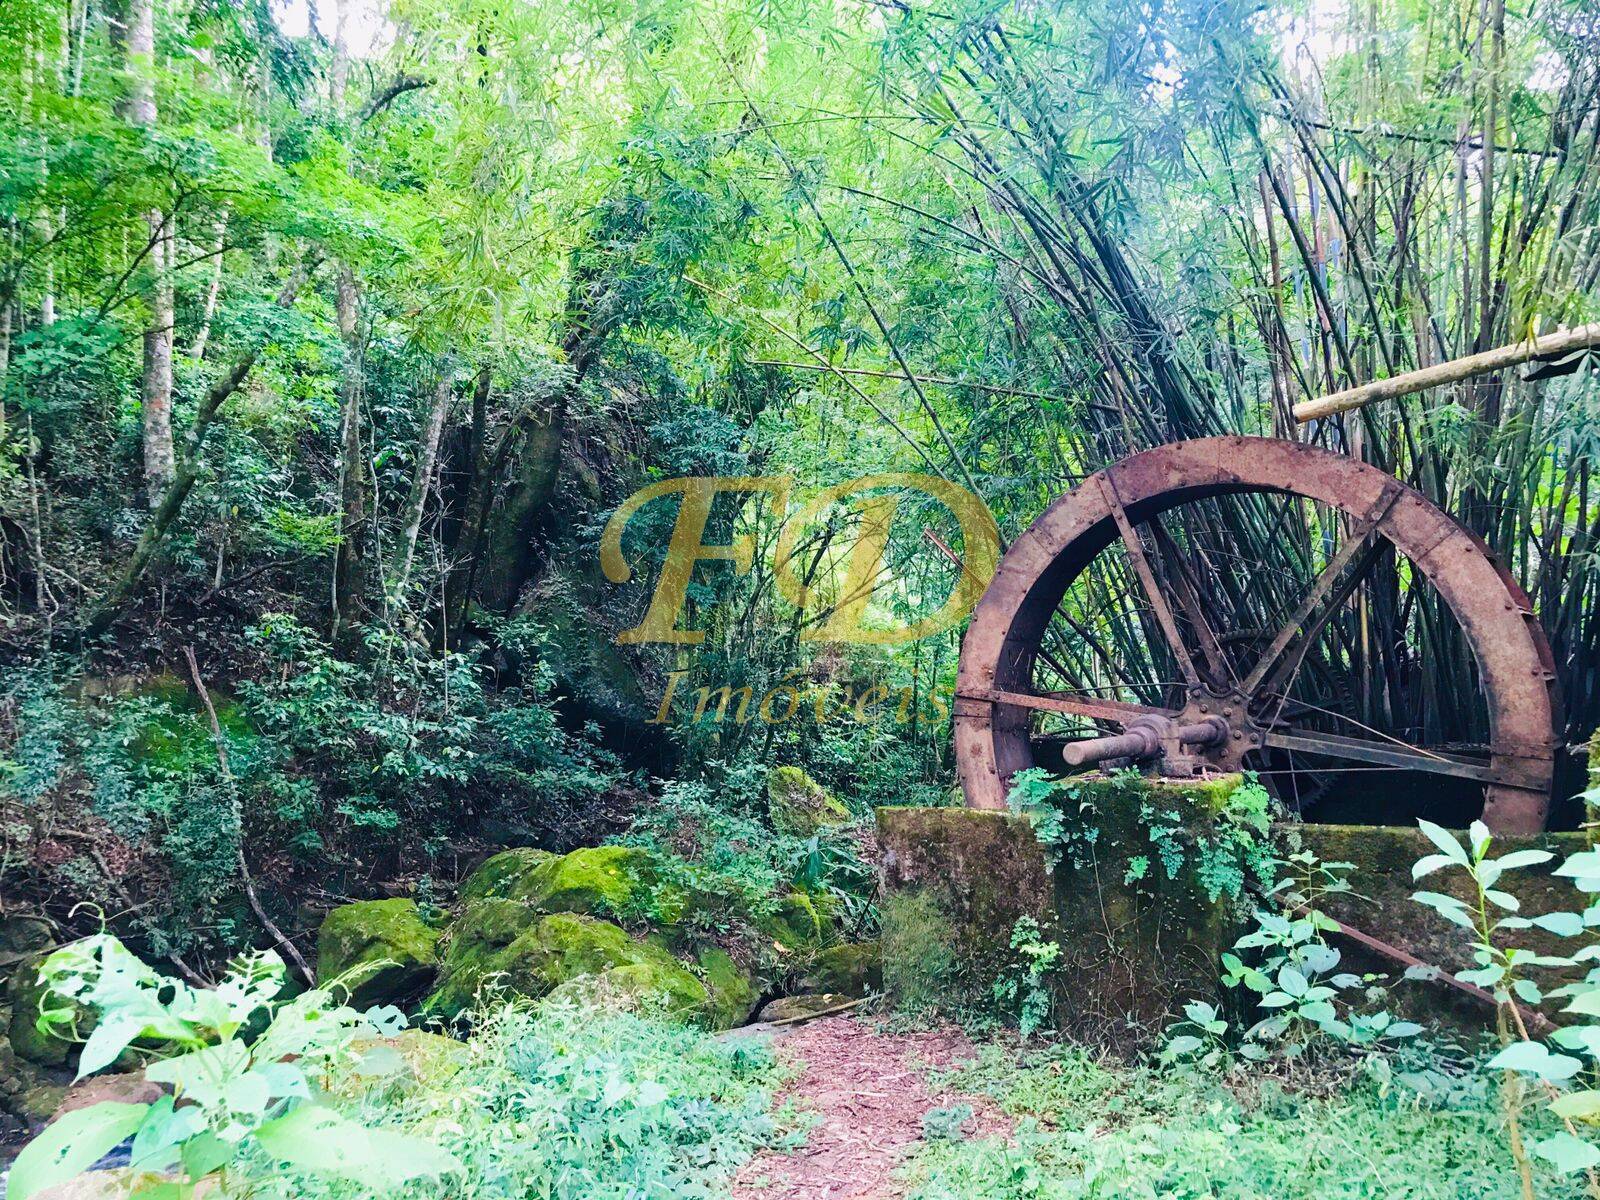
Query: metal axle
x=1146 y=737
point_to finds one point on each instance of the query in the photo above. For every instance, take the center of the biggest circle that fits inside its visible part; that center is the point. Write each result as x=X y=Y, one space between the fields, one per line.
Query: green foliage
x=1287 y=970
x=1491 y=916
x=708 y=844
x=1023 y=990
x=572 y=1103
x=242 y=1096
x=1090 y=1127
x=1223 y=849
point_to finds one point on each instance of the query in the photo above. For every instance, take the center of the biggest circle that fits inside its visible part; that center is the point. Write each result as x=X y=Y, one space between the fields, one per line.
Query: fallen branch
x=1550 y=346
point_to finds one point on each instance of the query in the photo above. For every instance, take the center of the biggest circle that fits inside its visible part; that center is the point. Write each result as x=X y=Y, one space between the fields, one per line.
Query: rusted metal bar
x=1535 y=1021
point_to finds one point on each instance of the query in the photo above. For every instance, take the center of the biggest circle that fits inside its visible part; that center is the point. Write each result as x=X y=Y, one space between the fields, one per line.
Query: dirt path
x=869 y=1090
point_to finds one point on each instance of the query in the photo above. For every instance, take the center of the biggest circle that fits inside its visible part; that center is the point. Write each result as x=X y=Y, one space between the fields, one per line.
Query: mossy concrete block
x=850 y=969
x=602 y=881
x=28 y=1041
x=388 y=945
x=1133 y=950
x=503 y=875
x=799 y=805
x=732 y=992
x=956 y=881
x=506 y=944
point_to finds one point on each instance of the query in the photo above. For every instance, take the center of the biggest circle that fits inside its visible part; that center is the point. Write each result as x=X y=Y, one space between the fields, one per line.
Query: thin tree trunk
x=345 y=597
x=155 y=390
x=208 y=311
x=427 y=457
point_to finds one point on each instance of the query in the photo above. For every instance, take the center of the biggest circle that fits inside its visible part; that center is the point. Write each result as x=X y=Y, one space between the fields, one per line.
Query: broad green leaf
x=1518 y=859
x=1577 y=1106
x=1442 y=838
x=1535 y=1059
x=1565 y=1152
x=1431 y=863
x=109 y=1039
x=71 y=1145
x=321 y=1141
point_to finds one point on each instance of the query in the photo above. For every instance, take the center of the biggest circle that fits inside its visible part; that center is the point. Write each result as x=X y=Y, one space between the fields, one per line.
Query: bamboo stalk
x=1551 y=345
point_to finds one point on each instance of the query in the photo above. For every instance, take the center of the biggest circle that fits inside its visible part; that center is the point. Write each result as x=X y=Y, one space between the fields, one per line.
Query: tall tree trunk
x=422 y=479
x=155 y=391
x=348 y=561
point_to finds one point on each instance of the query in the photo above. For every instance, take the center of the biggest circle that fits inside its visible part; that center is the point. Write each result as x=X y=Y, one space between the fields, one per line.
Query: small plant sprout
x=1491 y=916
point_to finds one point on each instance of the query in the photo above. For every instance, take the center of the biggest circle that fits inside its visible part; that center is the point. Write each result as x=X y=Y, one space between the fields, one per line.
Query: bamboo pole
x=1551 y=345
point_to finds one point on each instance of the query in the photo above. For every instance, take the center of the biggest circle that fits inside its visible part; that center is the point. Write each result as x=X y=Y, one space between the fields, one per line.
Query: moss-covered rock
x=799 y=805
x=664 y=987
x=28 y=1091
x=28 y=1041
x=850 y=969
x=504 y=875
x=603 y=881
x=389 y=945
x=506 y=944
x=732 y=992
x=795 y=929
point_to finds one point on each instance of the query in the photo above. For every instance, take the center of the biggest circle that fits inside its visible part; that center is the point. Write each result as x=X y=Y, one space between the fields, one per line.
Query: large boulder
x=503 y=875
x=849 y=969
x=603 y=881
x=799 y=805
x=795 y=929
x=506 y=944
x=663 y=987
x=393 y=951
x=732 y=991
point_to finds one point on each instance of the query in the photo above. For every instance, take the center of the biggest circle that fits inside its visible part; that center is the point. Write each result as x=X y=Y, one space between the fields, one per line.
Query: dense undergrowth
x=1094 y=1127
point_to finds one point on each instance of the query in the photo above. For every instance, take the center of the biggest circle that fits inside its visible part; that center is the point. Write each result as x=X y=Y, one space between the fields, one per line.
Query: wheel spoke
x=1273 y=661
x=1071 y=704
x=1221 y=672
x=1399 y=755
x=1147 y=579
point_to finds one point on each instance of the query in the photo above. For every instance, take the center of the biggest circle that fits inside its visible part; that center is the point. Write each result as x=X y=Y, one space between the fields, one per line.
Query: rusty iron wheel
x=1031 y=654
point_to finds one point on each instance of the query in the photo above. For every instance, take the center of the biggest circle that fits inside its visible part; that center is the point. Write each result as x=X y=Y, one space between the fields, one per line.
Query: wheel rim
x=1000 y=687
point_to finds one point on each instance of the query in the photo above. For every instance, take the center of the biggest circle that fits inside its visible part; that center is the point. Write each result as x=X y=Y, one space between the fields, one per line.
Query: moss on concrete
x=503 y=875
x=799 y=805
x=1135 y=942
x=1380 y=904
x=385 y=945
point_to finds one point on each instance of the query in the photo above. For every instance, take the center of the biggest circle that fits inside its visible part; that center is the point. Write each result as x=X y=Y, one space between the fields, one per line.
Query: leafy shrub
x=712 y=846
x=242 y=1097
x=567 y=1103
